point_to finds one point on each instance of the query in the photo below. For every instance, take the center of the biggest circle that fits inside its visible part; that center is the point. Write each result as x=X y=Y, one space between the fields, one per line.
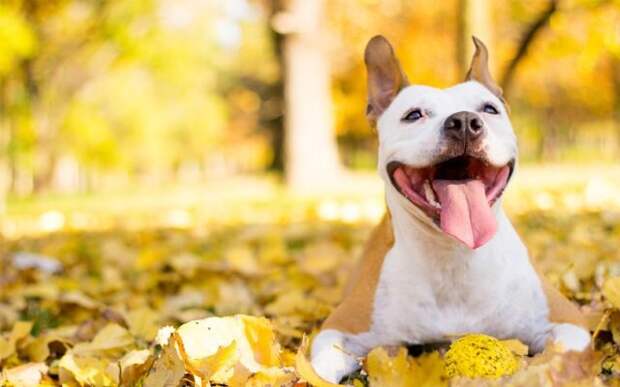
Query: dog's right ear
x=385 y=77
x=479 y=69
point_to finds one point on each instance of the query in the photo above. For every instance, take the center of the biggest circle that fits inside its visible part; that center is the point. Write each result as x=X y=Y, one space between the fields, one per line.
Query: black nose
x=464 y=126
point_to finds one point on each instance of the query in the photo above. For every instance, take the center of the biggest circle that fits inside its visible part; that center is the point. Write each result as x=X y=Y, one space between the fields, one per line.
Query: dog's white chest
x=424 y=299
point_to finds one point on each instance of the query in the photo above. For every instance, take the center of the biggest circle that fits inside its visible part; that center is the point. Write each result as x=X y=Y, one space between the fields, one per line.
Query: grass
x=262 y=199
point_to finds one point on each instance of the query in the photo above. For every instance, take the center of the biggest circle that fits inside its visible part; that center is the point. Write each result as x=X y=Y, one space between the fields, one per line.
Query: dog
x=445 y=260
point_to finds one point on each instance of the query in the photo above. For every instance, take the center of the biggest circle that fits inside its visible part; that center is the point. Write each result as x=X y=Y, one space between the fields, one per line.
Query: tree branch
x=524 y=44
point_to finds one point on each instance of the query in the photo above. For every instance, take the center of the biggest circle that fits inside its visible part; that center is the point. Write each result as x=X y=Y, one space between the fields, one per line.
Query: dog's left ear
x=479 y=70
x=385 y=77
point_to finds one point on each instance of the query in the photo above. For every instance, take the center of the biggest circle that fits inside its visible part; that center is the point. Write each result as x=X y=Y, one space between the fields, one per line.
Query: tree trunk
x=275 y=94
x=311 y=150
x=6 y=170
x=473 y=18
x=615 y=80
x=528 y=37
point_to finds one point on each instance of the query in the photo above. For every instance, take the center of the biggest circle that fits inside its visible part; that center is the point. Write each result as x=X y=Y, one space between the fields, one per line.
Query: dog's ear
x=385 y=77
x=479 y=69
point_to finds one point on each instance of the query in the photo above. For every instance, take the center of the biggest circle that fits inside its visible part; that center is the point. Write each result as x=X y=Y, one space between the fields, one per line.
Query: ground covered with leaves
x=104 y=308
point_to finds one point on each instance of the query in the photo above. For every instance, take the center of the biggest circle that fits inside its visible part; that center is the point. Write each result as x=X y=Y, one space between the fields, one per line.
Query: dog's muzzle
x=464 y=127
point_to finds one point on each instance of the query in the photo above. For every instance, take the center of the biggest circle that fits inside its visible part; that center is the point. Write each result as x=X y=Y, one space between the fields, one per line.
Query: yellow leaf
x=243 y=260
x=131 y=367
x=38 y=348
x=147 y=259
x=259 y=333
x=297 y=303
x=86 y=370
x=143 y=323
x=306 y=371
x=78 y=298
x=217 y=368
x=516 y=347
x=611 y=291
x=20 y=330
x=25 y=375
x=271 y=377
x=111 y=340
x=255 y=340
x=321 y=258
x=614 y=325
x=400 y=370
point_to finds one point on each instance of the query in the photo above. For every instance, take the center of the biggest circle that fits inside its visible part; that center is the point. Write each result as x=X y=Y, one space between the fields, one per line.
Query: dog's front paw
x=570 y=337
x=330 y=359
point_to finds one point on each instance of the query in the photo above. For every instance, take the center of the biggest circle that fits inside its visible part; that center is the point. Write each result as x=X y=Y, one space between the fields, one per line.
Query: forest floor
x=85 y=284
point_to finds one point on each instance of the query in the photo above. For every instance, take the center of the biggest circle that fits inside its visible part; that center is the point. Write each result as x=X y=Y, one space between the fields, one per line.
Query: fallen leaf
x=38 y=348
x=276 y=377
x=85 y=370
x=168 y=369
x=110 y=340
x=20 y=330
x=401 y=370
x=218 y=368
x=259 y=333
x=131 y=367
x=78 y=298
x=143 y=323
x=611 y=291
x=26 y=375
x=254 y=337
x=516 y=347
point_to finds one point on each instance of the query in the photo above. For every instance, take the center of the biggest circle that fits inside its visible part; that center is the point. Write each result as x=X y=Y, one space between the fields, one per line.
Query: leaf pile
x=100 y=308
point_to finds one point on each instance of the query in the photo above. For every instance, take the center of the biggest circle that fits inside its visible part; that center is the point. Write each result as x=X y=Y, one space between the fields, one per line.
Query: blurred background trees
x=97 y=94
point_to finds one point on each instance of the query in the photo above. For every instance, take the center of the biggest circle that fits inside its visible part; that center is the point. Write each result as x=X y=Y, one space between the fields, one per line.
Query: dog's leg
x=332 y=358
x=334 y=350
x=571 y=337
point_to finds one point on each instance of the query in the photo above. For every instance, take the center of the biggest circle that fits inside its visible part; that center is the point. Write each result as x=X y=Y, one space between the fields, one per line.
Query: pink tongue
x=465 y=211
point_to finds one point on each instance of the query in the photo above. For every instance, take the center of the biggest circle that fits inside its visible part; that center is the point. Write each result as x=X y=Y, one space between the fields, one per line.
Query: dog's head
x=445 y=154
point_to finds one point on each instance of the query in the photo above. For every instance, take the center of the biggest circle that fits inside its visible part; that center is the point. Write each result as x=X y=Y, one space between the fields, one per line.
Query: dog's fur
x=415 y=283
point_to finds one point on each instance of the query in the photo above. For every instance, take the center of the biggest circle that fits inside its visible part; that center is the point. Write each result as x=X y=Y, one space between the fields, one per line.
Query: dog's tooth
x=429 y=194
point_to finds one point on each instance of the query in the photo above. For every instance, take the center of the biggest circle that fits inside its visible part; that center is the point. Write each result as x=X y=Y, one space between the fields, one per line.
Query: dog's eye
x=413 y=115
x=490 y=109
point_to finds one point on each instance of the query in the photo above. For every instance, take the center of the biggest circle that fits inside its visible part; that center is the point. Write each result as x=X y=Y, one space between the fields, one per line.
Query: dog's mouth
x=457 y=194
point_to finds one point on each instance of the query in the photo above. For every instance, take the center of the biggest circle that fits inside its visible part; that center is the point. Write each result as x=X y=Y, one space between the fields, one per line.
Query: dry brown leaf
x=167 y=370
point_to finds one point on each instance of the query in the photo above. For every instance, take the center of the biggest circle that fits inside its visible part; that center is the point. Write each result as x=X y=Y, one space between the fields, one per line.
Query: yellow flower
x=478 y=356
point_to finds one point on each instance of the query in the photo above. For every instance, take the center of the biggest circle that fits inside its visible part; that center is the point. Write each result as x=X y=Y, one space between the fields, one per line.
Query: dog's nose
x=464 y=126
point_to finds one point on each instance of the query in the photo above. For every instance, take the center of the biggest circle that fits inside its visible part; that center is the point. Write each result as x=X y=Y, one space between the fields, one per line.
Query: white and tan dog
x=445 y=260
